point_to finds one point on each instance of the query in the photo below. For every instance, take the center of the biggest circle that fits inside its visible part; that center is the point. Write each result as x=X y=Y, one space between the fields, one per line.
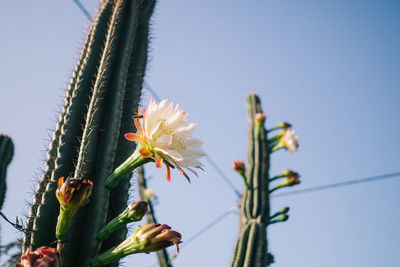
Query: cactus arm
x=101 y=132
x=65 y=143
x=162 y=255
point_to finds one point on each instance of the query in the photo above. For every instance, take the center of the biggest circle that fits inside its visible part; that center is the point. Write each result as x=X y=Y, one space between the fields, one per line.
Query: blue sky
x=331 y=68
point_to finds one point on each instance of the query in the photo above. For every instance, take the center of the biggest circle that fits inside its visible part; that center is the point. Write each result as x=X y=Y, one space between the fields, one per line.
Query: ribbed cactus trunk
x=251 y=248
x=162 y=255
x=88 y=141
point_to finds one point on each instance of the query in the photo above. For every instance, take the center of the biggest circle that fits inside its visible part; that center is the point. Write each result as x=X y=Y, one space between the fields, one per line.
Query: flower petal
x=133 y=137
x=145 y=152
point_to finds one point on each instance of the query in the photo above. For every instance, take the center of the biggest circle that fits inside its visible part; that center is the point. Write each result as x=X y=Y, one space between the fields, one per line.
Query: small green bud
x=133 y=213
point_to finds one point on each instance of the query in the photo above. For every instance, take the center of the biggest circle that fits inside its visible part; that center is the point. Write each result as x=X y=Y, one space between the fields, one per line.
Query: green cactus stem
x=251 y=247
x=88 y=143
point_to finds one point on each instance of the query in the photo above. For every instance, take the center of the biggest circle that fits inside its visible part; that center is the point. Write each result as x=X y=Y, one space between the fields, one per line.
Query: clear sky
x=331 y=68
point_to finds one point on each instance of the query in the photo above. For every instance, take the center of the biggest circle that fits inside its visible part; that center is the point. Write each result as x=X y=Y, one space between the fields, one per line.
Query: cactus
x=251 y=248
x=88 y=140
x=6 y=154
x=162 y=255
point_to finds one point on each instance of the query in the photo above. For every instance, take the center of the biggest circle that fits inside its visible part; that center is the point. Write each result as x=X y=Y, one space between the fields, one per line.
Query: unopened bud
x=291 y=180
x=282 y=218
x=260 y=118
x=74 y=192
x=288 y=172
x=239 y=166
x=133 y=213
x=145 y=239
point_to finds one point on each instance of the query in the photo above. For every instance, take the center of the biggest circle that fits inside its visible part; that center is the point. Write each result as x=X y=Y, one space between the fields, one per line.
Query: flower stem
x=63 y=222
x=245 y=180
x=131 y=163
x=277 y=177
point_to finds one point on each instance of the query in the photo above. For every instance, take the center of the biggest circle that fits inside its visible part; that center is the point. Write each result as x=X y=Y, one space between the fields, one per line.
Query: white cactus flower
x=165 y=135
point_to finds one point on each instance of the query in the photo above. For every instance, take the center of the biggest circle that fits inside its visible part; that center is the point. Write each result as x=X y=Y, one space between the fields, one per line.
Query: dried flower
x=41 y=257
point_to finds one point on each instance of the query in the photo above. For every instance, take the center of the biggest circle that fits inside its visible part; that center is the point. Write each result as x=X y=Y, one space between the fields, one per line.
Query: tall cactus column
x=251 y=246
x=99 y=104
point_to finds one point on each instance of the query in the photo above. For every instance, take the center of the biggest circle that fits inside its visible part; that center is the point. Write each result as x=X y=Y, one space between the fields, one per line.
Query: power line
x=209 y=226
x=83 y=9
x=152 y=92
x=223 y=176
x=206 y=228
x=342 y=184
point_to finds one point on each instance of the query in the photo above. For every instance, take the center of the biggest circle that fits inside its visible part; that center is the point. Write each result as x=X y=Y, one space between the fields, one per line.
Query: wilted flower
x=133 y=213
x=41 y=257
x=74 y=192
x=145 y=239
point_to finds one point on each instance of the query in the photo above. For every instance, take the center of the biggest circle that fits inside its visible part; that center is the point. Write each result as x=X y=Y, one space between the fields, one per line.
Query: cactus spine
x=251 y=247
x=102 y=96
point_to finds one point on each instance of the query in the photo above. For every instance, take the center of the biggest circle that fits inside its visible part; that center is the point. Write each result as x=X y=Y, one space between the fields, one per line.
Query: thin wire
x=335 y=185
x=209 y=226
x=83 y=9
x=152 y=92
x=223 y=176
x=205 y=228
